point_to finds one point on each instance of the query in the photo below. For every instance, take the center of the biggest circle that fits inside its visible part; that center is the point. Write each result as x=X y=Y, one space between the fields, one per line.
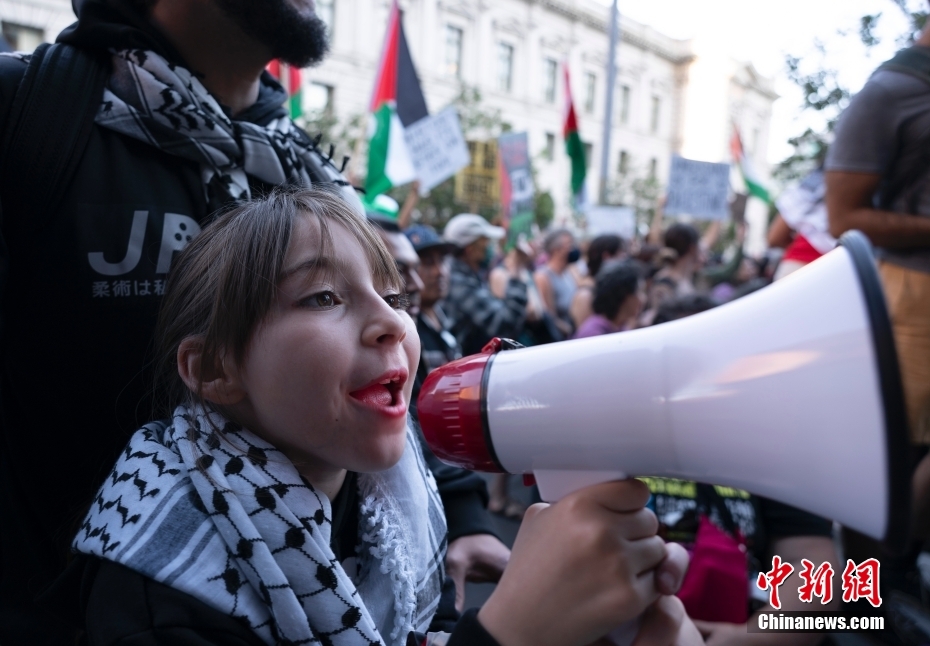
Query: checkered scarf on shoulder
x=166 y=106
x=210 y=509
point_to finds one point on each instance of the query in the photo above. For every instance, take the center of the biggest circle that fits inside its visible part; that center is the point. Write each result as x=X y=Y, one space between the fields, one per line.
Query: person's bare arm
x=780 y=234
x=582 y=305
x=849 y=206
x=545 y=291
x=711 y=235
x=655 y=229
x=497 y=281
x=410 y=203
x=792 y=549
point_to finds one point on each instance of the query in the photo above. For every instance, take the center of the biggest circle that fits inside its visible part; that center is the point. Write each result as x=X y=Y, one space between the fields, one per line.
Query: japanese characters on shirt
x=859 y=581
x=135 y=265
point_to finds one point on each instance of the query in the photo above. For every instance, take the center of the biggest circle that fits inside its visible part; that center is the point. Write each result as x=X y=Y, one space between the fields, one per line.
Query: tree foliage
x=823 y=92
x=638 y=189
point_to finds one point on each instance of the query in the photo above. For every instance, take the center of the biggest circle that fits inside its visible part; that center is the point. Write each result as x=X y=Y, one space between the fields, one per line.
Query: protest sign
x=516 y=181
x=437 y=148
x=698 y=189
x=618 y=220
x=477 y=184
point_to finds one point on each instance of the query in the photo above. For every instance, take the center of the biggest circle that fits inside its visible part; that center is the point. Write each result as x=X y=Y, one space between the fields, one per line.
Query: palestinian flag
x=754 y=185
x=573 y=145
x=396 y=103
x=289 y=77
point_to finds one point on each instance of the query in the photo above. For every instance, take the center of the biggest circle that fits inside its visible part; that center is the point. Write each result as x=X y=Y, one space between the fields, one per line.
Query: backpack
x=45 y=135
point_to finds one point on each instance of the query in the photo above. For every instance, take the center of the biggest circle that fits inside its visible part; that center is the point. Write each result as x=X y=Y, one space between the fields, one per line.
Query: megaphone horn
x=792 y=393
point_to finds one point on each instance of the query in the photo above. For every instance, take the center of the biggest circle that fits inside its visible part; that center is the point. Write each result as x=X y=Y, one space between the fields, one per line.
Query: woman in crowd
x=285 y=500
x=601 y=250
x=619 y=294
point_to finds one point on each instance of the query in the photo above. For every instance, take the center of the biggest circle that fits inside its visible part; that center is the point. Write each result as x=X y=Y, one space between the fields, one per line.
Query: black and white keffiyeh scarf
x=224 y=517
x=166 y=106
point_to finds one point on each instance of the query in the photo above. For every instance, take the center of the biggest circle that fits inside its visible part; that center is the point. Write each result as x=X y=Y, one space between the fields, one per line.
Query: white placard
x=619 y=220
x=699 y=189
x=437 y=148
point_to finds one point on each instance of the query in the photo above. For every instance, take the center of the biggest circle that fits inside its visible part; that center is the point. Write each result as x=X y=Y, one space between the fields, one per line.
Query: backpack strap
x=48 y=127
x=913 y=61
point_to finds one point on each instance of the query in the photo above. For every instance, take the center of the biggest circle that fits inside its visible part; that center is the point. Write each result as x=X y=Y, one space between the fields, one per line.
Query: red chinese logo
x=861 y=582
x=772 y=579
x=817 y=583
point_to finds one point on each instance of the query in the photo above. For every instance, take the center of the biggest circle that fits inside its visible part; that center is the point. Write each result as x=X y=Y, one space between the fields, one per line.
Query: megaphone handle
x=625 y=633
x=555 y=485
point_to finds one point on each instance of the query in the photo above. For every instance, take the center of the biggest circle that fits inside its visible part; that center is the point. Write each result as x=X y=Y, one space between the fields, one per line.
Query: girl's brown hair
x=224 y=283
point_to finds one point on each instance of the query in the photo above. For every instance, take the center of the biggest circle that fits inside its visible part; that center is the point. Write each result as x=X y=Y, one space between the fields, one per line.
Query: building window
x=590 y=86
x=550 y=68
x=20 y=37
x=653 y=168
x=549 y=150
x=326 y=11
x=453 y=51
x=318 y=98
x=504 y=67
x=655 y=114
x=625 y=104
x=623 y=165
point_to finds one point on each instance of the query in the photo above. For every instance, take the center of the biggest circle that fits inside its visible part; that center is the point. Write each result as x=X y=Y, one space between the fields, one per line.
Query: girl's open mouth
x=384 y=394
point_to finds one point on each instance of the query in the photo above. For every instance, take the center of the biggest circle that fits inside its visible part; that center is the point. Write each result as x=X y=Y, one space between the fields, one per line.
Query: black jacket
x=76 y=344
x=119 y=607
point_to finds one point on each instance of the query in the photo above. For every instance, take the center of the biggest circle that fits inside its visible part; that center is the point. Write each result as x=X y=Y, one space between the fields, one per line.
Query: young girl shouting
x=286 y=501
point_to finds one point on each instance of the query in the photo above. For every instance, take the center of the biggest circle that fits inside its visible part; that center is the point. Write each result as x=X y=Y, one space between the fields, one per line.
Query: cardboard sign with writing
x=478 y=182
x=437 y=148
x=698 y=189
x=618 y=220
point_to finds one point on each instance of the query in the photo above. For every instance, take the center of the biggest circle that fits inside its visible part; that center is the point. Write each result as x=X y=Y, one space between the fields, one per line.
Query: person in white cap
x=477 y=315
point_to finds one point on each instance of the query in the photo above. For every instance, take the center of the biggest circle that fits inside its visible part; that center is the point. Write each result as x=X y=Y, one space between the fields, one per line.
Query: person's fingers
x=660 y=623
x=457 y=573
x=533 y=510
x=645 y=554
x=619 y=496
x=704 y=627
x=671 y=571
x=638 y=524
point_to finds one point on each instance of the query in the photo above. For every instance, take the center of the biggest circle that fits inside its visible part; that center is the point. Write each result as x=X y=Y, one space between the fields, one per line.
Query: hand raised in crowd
x=480 y=558
x=582 y=567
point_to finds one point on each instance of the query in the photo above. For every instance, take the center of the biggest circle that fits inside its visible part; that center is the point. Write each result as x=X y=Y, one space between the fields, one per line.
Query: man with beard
x=188 y=123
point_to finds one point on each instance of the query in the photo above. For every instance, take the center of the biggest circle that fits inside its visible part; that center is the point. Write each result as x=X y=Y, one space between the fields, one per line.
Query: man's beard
x=293 y=37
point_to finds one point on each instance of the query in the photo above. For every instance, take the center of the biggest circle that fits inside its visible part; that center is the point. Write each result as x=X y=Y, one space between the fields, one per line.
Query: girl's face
x=327 y=375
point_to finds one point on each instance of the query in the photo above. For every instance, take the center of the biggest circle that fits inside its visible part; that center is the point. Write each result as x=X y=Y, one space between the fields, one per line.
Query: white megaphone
x=792 y=393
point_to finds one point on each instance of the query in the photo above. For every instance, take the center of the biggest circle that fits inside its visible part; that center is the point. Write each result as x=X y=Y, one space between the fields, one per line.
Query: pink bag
x=716 y=586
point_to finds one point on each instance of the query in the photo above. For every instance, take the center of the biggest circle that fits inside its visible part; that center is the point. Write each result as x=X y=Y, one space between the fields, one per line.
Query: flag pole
x=609 y=99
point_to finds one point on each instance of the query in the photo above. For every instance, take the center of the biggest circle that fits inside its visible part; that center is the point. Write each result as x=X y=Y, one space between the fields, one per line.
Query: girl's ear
x=220 y=385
